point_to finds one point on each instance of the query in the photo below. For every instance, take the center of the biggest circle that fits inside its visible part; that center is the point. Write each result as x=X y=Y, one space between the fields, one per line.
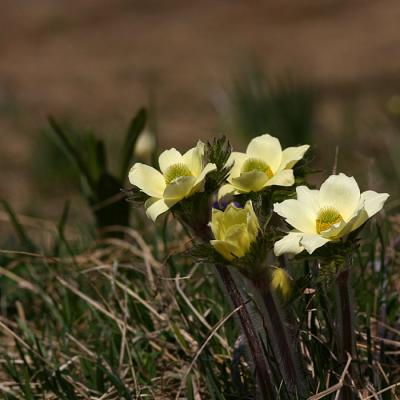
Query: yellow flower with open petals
x=264 y=164
x=325 y=215
x=234 y=229
x=181 y=176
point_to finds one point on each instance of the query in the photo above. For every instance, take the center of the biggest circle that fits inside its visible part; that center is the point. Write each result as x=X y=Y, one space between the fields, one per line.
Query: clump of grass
x=116 y=322
x=132 y=318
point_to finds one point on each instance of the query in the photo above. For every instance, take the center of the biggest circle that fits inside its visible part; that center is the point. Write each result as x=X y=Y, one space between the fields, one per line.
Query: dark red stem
x=262 y=370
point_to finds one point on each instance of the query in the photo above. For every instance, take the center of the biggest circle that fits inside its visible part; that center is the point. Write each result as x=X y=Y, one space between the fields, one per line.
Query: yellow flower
x=234 y=229
x=281 y=281
x=181 y=176
x=328 y=214
x=264 y=164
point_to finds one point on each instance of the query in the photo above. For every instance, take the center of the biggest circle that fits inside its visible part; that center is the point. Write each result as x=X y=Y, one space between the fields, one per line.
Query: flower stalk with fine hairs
x=263 y=371
x=282 y=342
x=196 y=228
x=235 y=230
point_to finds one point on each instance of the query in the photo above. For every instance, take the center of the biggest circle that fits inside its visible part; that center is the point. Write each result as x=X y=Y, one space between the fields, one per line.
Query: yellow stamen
x=327 y=217
x=256 y=164
x=176 y=171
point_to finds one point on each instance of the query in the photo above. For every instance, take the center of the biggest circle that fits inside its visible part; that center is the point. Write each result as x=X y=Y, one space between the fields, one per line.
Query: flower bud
x=234 y=229
x=281 y=281
x=145 y=145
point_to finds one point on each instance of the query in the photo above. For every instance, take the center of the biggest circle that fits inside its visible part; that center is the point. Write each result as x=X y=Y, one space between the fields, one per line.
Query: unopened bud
x=281 y=281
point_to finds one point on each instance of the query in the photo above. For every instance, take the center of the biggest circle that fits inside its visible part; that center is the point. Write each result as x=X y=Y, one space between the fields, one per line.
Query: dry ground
x=96 y=61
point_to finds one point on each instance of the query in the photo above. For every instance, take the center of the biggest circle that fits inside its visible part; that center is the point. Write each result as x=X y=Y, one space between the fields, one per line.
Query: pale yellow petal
x=268 y=149
x=370 y=204
x=155 y=207
x=359 y=217
x=291 y=155
x=373 y=202
x=226 y=190
x=289 y=244
x=309 y=197
x=234 y=215
x=297 y=215
x=193 y=158
x=253 y=225
x=311 y=242
x=216 y=223
x=168 y=158
x=179 y=188
x=147 y=179
x=253 y=181
x=206 y=170
x=236 y=160
x=238 y=236
x=227 y=250
x=282 y=178
x=342 y=193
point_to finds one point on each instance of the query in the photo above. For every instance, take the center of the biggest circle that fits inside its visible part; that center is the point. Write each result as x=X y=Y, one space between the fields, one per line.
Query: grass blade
x=72 y=152
x=23 y=237
x=135 y=128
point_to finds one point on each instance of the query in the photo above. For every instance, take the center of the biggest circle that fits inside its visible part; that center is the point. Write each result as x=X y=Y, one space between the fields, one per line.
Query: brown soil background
x=96 y=62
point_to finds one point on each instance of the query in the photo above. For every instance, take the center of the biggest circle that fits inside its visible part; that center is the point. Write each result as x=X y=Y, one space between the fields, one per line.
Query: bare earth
x=97 y=61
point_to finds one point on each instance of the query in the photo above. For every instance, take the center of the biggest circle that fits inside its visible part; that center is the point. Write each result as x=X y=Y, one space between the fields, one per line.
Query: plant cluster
x=235 y=226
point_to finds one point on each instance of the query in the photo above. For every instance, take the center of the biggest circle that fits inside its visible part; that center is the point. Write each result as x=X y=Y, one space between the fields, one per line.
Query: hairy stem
x=199 y=229
x=345 y=325
x=262 y=370
x=282 y=344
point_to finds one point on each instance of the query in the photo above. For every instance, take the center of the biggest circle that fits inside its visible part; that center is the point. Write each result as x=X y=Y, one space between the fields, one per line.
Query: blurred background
x=324 y=72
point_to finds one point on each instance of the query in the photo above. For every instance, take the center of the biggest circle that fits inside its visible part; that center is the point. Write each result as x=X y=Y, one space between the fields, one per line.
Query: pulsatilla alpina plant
x=242 y=237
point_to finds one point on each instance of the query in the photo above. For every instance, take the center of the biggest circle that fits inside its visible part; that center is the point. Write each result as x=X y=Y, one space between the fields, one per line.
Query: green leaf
x=118 y=383
x=179 y=337
x=135 y=128
x=101 y=157
x=65 y=386
x=27 y=386
x=23 y=237
x=72 y=153
x=61 y=227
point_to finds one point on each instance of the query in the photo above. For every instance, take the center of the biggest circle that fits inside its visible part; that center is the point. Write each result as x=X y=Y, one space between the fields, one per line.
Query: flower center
x=256 y=164
x=176 y=171
x=327 y=217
